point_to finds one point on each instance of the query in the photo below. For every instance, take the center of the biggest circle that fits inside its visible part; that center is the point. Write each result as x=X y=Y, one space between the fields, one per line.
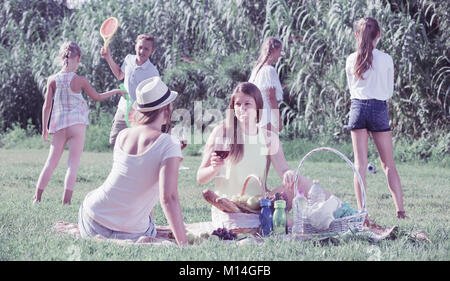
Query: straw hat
x=152 y=94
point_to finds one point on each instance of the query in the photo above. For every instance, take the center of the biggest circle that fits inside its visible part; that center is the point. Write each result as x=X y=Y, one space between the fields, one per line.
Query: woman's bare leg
x=59 y=141
x=360 y=139
x=383 y=141
x=76 y=135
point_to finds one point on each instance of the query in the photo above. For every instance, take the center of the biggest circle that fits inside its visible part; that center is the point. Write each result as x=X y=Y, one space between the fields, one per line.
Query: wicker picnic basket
x=244 y=221
x=340 y=225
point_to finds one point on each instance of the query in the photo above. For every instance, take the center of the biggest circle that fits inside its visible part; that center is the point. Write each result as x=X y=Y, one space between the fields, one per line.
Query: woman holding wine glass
x=251 y=151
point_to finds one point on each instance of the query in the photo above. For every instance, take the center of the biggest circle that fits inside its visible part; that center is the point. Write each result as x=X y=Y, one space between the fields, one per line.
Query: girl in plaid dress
x=69 y=118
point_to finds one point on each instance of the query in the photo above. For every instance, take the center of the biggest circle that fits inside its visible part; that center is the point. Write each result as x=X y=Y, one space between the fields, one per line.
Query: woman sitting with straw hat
x=145 y=169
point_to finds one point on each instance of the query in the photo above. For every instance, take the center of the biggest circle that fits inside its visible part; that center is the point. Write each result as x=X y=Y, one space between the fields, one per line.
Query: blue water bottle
x=266 y=217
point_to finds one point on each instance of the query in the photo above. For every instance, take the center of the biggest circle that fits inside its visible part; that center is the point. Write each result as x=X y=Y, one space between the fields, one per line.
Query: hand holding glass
x=222 y=148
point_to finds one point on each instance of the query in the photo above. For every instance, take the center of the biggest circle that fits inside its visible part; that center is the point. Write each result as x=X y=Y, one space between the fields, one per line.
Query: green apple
x=243 y=199
x=253 y=203
x=235 y=198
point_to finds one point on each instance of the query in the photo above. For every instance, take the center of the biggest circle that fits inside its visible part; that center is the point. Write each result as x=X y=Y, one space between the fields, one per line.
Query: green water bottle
x=279 y=217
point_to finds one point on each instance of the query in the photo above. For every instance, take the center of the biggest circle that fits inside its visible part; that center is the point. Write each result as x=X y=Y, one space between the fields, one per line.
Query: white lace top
x=266 y=78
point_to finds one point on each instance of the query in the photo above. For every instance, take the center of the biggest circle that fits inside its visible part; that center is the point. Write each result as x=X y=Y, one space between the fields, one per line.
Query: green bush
x=14 y=136
x=18 y=137
x=97 y=133
x=97 y=139
x=435 y=148
x=26 y=29
x=20 y=98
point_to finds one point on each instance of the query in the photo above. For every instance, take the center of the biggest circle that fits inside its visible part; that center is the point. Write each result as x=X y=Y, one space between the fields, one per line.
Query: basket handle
x=361 y=185
x=247 y=179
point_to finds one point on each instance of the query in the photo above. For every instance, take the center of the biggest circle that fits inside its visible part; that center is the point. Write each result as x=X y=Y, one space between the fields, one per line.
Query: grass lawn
x=26 y=230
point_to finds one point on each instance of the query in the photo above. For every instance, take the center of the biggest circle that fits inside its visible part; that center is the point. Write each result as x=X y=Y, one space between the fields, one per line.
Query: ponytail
x=66 y=57
x=263 y=62
x=67 y=51
x=367 y=29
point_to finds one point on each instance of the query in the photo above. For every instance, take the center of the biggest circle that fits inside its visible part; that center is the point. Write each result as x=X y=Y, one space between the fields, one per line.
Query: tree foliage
x=205 y=47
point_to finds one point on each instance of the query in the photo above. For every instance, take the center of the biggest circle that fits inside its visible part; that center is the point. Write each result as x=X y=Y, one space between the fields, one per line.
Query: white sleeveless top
x=254 y=161
x=378 y=82
x=267 y=78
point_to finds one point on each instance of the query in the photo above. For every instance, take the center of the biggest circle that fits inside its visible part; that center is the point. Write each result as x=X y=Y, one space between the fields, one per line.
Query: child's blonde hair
x=267 y=48
x=67 y=51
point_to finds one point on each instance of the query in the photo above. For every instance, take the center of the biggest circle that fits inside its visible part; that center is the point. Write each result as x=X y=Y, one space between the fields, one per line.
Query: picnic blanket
x=164 y=236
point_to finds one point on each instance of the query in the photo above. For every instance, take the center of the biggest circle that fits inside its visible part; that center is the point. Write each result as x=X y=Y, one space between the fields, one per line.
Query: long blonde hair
x=67 y=51
x=267 y=48
x=232 y=129
x=367 y=29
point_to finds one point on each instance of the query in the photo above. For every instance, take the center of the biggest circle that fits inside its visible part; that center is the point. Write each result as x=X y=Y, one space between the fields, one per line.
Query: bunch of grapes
x=277 y=196
x=224 y=234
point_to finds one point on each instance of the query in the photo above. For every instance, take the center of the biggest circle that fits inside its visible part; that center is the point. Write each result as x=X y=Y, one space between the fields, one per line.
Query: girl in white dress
x=265 y=77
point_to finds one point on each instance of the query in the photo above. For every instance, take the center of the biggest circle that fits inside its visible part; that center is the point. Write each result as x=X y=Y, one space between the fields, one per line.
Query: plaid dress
x=69 y=108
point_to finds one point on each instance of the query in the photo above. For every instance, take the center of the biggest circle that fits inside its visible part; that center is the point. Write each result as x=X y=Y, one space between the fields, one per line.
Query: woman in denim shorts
x=370 y=76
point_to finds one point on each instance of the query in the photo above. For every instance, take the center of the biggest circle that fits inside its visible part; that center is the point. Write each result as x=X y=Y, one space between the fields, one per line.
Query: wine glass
x=222 y=148
x=183 y=141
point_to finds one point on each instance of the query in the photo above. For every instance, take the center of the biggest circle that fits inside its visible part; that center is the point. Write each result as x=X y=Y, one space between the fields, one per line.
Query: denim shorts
x=90 y=228
x=369 y=114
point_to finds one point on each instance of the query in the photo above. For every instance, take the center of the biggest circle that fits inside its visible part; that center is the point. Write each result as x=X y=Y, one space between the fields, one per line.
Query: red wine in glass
x=183 y=144
x=222 y=153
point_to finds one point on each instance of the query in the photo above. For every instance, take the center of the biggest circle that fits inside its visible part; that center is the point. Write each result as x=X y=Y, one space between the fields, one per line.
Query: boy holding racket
x=134 y=69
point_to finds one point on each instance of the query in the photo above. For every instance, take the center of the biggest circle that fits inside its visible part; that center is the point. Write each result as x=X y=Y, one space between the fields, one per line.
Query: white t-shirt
x=134 y=74
x=378 y=80
x=131 y=190
x=266 y=78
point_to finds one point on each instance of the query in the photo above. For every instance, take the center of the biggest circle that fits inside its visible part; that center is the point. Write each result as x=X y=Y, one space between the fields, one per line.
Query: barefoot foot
x=402 y=215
